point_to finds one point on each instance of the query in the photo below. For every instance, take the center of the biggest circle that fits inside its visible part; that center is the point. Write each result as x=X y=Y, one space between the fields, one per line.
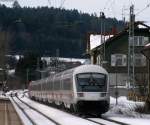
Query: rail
x=50 y=119
x=105 y=121
x=33 y=123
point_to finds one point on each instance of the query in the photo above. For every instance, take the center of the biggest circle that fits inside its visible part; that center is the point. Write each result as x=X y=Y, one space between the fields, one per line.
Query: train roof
x=80 y=69
x=85 y=68
x=89 y=68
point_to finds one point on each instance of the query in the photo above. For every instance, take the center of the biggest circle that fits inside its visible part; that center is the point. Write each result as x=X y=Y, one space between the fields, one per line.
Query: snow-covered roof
x=138 y=24
x=96 y=40
x=11 y=72
x=1 y=69
x=147 y=44
x=65 y=59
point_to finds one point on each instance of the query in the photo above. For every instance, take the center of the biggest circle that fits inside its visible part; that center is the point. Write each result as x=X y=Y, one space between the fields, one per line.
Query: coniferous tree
x=16 y=4
x=43 y=30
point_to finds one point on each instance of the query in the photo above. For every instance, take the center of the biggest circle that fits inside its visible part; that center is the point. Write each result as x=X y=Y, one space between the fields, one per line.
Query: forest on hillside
x=50 y=31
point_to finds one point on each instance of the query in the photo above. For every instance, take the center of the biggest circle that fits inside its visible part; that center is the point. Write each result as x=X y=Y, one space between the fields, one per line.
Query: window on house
x=140 y=40
x=98 y=59
x=140 y=60
x=118 y=60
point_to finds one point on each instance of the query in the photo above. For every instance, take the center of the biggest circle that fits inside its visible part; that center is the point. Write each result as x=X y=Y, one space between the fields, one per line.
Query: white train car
x=81 y=89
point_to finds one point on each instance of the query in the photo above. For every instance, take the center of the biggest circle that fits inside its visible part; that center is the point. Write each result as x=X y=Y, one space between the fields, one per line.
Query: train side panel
x=69 y=89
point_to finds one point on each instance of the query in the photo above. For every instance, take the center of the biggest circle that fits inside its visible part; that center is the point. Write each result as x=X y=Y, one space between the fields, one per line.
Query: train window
x=33 y=87
x=83 y=79
x=99 y=79
x=56 y=84
x=36 y=87
x=91 y=82
x=46 y=85
x=50 y=85
x=67 y=84
x=42 y=86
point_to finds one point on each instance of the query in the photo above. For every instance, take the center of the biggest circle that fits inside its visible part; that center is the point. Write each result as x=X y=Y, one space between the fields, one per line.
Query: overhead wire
x=112 y=8
x=62 y=3
x=7 y=0
x=106 y=4
x=111 y=3
x=147 y=6
x=49 y=1
x=56 y=3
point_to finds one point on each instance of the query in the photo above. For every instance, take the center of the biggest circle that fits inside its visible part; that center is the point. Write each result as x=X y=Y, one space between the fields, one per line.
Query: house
x=113 y=56
x=146 y=52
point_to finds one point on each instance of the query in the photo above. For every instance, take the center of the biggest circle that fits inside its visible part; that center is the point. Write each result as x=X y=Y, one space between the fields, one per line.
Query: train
x=83 y=89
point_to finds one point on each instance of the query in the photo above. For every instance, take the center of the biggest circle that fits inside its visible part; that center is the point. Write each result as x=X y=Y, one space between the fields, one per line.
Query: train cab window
x=91 y=82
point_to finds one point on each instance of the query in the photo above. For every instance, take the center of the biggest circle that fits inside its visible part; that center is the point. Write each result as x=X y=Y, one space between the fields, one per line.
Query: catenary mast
x=131 y=54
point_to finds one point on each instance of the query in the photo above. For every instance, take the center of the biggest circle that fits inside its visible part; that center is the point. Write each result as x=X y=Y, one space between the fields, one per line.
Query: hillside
x=45 y=30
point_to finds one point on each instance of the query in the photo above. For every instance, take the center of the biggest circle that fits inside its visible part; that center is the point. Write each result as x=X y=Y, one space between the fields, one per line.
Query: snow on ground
x=132 y=121
x=35 y=116
x=3 y=96
x=23 y=117
x=11 y=72
x=62 y=117
x=125 y=112
x=125 y=108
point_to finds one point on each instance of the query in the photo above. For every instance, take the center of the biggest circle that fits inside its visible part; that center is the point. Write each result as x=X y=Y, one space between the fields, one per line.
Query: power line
x=49 y=2
x=110 y=5
x=112 y=8
x=106 y=4
x=57 y=3
x=62 y=3
x=147 y=6
x=7 y=0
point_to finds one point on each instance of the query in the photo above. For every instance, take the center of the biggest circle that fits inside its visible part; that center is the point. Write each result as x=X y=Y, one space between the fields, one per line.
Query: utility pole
x=57 y=60
x=131 y=54
x=102 y=19
x=27 y=77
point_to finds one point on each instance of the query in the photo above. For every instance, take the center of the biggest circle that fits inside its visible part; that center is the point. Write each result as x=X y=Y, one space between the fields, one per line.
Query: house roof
x=138 y=25
x=146 y=51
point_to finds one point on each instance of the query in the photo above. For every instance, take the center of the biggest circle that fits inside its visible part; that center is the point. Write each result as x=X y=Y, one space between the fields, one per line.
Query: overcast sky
x=112 y=8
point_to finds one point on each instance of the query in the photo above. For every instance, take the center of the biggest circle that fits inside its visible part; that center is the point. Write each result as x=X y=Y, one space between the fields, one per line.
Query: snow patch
x=124 y=108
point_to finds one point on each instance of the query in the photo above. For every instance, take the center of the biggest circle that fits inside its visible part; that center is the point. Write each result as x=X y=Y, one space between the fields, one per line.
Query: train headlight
x=80 y=94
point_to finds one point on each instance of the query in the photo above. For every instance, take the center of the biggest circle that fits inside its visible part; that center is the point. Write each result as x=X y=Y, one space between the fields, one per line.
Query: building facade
x=113 y=56
x=146 y=52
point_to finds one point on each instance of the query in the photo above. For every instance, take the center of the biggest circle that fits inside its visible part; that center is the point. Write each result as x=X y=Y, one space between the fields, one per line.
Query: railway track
x=105 y=121
x=98 y=121
x=51 y=119
x=121 y=123
x=31 y=112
